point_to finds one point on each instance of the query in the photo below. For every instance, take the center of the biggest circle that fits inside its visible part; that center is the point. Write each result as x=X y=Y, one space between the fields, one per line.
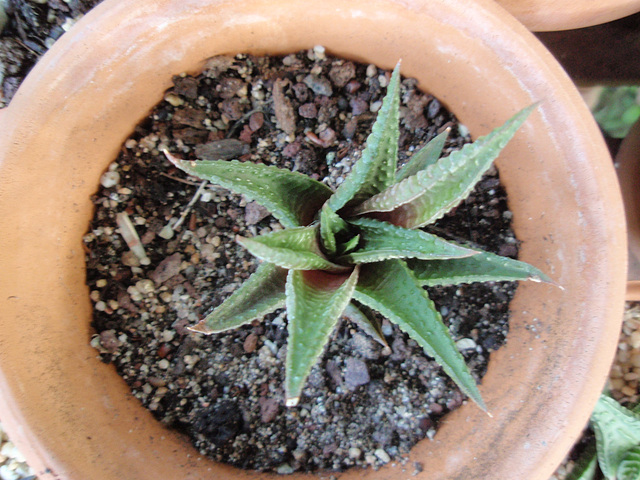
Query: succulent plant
x=362 y=244
x=616 y=449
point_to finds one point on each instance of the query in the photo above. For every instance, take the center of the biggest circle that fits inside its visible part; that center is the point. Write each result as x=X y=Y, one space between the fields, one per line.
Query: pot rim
x=530 y=431
x=552 y=15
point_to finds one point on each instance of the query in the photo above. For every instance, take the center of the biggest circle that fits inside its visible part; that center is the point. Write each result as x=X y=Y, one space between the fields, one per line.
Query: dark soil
x=31 y=28
x=304 y=112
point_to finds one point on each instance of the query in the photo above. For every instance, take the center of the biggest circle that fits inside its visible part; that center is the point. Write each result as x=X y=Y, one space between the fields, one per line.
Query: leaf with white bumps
x=291 y=197
x=376 y=168
x=381 y=241
x=426 y=196
x=261 y=294
x=315 y=301
x=389 y=288
x=292 y=248
x=481 y=267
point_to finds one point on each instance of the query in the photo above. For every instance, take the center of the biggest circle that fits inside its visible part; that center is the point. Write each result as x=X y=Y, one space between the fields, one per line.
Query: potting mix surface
x=308 y=113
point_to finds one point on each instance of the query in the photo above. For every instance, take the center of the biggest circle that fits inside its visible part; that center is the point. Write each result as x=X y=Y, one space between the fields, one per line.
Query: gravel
x=33 y=26
x=12 y=463
x=226 y=391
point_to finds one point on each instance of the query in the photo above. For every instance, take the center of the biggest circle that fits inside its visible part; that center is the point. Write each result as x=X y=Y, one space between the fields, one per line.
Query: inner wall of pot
x=457 y=53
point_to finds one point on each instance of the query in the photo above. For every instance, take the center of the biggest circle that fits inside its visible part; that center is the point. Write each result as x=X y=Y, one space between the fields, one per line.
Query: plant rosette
x=361 y=245
x=71 y=115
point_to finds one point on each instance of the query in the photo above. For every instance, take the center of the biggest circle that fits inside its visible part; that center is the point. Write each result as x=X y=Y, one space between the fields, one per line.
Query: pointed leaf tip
x=390 y=288
x=261 y=294
x=200 y=327
x=292 y=402
x=426 y=196
x=291 y=197
x=376 y=168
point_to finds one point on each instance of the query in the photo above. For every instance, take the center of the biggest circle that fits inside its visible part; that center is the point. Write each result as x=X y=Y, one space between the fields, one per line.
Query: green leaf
x=381 y=241
x=376 y=169
x=426 y=196
x=330 y=225
x=366 y=323
x=617 y=431
x=586 y=466
x=315 y=301
x=261 y=294
x=291 y=248
x=483 y=267
x=426 y=156
x=291 y=197
x=390 y=288
x=617 y=110
x=629 y=468
x=349 y=245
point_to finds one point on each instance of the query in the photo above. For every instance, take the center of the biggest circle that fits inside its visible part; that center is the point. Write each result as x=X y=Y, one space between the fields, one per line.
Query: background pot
x=74 y=418
x=628 y=162
x=551 y=15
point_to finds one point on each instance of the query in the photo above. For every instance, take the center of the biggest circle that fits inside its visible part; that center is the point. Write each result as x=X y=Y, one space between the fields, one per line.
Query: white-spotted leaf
x=426 y=156
x=261 y=294
x=390 y=288
x=315 y=301
x=426 y=196
x=293 y=198
x=617 y=431
x=482 y=267
x=381 y=241
x=292 y=248
x=376 y=168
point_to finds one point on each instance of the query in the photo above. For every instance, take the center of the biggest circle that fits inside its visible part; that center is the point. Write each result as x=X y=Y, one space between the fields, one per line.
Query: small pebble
x=466 y=344
x=110 y=179
x=382 y=455
x=355 y=453
x=284 y=469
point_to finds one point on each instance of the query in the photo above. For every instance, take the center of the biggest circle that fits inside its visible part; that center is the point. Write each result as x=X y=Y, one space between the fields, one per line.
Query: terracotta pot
x=628 y=162
x=74 y=417
x=551 y=15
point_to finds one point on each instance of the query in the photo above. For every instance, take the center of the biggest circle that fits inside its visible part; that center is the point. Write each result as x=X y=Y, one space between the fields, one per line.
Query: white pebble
x=166 y=232
x=466 y=344
x=7 y=474
x=145 y=286
x=355 y=453
x=371 y=70
x=10 y=450
x=382 y=455
x=168 y=335
x=174 y=99
x=163 y=364
x=284 y=469
x=109 y=179
x=319 y=52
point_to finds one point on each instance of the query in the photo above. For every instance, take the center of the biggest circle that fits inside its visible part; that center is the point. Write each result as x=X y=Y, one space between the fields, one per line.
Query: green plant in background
x=617 y=110
x=616 y=449
x=361 y=245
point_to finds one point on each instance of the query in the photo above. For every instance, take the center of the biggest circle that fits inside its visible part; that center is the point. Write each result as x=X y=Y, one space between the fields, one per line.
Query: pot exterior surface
x=628 y=163
x=553 y=15
x=75 y=418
